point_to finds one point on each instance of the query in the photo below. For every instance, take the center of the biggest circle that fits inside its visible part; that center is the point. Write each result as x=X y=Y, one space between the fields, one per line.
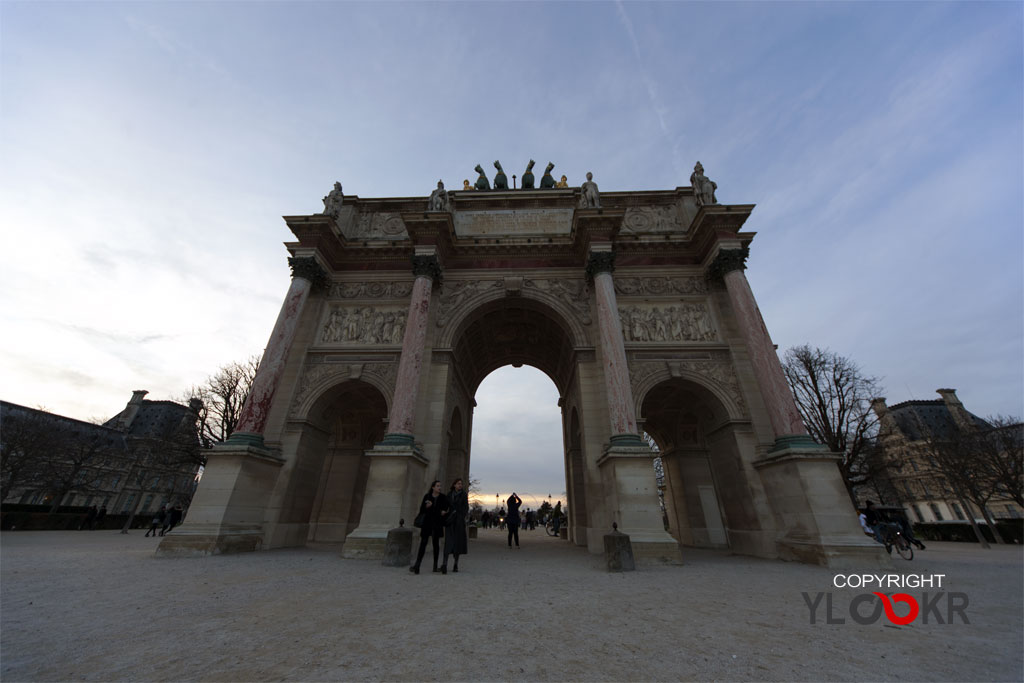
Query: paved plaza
x=99 y=606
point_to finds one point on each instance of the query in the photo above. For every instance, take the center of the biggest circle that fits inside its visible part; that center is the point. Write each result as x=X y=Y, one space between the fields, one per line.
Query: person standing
x=432 y=507
x=172 y=519
x=90 y=517
x=455 y=542
x=512 y=519
x=158 y=520
x=100 y=516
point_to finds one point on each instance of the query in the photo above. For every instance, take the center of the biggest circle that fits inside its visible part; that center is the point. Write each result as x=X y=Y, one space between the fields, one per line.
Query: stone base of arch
x=804 y=486
x=632 y=502
x=226 y=515
x=393 y=490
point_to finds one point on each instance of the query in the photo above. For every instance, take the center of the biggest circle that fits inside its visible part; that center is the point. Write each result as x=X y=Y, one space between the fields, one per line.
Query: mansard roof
x=918 y=419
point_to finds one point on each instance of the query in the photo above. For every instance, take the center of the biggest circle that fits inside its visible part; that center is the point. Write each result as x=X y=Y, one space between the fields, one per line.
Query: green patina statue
x=481 y=182
x=500 y=181
x=528 y=176
x=547 y=182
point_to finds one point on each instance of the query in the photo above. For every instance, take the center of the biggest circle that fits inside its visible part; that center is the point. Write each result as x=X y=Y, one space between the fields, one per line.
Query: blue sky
x=149 y=150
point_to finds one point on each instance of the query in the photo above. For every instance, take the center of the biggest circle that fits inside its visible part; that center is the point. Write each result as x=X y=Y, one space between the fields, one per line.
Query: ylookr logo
x=899 y=608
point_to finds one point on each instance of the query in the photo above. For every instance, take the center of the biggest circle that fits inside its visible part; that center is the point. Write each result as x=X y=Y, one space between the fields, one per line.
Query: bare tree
x=163 y=464
x=76 y=461
x=834 y=396
x=28 y=441
x=1000 y=451
x=223 y=394
x=952 y=455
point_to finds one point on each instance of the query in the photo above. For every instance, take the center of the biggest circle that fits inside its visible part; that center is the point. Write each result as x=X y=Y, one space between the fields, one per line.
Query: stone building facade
x=909 y=475
x=146 y=456
x=635 y=304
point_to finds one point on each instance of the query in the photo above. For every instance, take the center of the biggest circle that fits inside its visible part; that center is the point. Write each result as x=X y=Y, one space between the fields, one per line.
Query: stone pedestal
x=227 y=512
x=627 y=473
x=398 y=547
x=811 y=505
x=618 y=552
x=392 y=492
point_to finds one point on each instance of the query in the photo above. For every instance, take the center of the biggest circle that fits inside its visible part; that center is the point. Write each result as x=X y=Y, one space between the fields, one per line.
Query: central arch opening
x=514 y=363
x=517 y=440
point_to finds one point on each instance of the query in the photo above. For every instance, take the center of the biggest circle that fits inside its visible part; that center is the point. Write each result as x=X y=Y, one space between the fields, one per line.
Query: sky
x=148 y=151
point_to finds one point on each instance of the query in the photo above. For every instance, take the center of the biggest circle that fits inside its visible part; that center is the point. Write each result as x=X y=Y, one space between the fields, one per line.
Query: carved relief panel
x=653 y=219
x=656 y=286
x=716 y=369
x=363 y=325
x=370 y=290
x=671 y=322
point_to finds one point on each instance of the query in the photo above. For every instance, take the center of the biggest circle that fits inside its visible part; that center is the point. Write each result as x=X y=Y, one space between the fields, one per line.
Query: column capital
x=600 y=262
x=726 y=261
x=307 y=268
x=428 y=265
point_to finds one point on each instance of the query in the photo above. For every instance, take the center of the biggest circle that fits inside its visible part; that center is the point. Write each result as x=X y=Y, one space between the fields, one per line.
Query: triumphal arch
x=635 y=304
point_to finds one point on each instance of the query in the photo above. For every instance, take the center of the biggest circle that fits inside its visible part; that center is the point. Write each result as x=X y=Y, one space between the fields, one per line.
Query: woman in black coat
x=455 y=528
x=512 y=520
x=433 y=507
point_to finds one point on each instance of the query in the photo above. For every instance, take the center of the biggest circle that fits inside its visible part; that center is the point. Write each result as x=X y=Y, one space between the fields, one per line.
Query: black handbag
x=420 y=519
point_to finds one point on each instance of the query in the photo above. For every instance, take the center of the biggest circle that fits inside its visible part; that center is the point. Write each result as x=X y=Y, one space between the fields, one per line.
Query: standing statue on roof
x=546 y=181
x=333 y=200
x=703 y=187
x=562 y=184
x=500 y=181
x=439 y=200
x=590 y=198
x=528 y=176
x=482 y=183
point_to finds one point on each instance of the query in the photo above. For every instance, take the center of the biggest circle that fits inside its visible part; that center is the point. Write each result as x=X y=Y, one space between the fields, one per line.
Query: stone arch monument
x=638 y=310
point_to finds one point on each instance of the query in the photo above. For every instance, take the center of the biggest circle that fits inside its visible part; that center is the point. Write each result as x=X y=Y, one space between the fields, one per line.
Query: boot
x=444 y=569
x=414 y=569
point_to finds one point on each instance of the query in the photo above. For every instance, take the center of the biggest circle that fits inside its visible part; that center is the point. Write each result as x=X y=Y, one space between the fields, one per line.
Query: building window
x=128 y=504
x=1013 y=512
x=917 y=512
x=927 y=492
x=115 y=481
x=146 y=504
x=958 y=512
x=913 y=463
x=936 y=512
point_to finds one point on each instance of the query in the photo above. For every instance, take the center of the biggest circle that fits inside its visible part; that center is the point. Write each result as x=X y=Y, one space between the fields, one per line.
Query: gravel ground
x=99 y=606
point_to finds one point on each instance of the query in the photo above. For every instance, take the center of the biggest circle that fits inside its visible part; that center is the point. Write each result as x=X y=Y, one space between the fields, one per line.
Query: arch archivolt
x=459 y=302
x=320 y=378
x=714 y=375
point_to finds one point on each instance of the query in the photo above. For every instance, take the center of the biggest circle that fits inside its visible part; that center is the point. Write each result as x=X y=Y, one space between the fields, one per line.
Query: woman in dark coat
x=455 y=528
x=433 y=507
x=512 y=519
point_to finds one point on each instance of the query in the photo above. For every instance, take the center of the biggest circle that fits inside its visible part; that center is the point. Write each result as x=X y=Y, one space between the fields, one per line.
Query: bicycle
x=899 y=542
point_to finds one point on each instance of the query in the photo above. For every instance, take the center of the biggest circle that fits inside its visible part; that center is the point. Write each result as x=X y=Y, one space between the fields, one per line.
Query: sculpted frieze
x=639 y=286
x=652 y=219
x=570 y=292
x=680 y=322
x=363 y=325
x=378 y=225
x=370 y=290
x=455 y=294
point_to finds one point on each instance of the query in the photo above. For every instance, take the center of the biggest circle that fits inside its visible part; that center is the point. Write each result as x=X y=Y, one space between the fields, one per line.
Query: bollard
x=618 y=551
x=471 y=530
x=398 y=549
x=563 y=533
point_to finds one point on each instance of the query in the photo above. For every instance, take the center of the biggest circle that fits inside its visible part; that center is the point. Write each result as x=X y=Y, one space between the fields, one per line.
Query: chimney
x=885 y=420
x=124 y=420
x=960 y=415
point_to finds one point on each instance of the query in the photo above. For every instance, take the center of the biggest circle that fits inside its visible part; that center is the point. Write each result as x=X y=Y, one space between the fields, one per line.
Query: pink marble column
x=253 y=419
x=401 y=421
x=782 y=410
x=613 y=349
